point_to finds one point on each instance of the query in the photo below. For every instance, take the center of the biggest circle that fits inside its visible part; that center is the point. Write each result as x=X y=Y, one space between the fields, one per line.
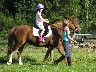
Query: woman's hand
x=46 y=20
x=75 y=43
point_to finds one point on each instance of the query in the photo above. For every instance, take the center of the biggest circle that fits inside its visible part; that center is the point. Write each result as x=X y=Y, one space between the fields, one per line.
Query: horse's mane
x=57 y=24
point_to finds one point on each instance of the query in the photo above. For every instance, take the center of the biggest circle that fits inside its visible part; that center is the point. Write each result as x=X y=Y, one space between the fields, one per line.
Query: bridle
x=58 y=25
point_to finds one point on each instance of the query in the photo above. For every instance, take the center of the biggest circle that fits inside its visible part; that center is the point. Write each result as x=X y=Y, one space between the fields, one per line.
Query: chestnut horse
x=23 y=34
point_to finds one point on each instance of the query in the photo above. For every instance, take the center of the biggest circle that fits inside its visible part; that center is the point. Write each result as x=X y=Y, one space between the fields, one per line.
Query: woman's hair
x=66 y=22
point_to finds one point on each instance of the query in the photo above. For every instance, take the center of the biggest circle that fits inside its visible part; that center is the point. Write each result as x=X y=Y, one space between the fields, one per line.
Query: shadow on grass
x=28 y=59
x=40 y=64
x=32 y=61
x=25 y=59
x=3 y=60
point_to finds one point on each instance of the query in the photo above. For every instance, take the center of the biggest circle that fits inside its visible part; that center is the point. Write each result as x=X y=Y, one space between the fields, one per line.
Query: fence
x=85 y=40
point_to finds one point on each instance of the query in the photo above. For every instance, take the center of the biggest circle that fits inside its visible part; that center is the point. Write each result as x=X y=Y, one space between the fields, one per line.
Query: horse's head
x=73 y=24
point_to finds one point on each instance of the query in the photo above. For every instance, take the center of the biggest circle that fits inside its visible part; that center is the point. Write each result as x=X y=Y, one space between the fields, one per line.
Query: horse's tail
x=10 y=40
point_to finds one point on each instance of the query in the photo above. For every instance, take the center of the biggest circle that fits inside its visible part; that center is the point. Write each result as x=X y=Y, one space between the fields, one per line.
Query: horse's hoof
x=8 y=63
x=65 y=61
x=55 y=62
x=21 y=63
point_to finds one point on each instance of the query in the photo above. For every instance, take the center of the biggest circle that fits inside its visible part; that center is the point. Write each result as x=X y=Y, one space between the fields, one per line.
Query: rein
x=57 y=26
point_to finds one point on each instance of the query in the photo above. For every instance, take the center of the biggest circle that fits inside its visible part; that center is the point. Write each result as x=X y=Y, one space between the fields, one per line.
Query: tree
x=24 y=11
x=10 y=7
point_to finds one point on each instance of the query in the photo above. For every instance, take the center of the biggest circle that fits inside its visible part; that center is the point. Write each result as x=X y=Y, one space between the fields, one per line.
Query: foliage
x=5 y=22
x=17 y=12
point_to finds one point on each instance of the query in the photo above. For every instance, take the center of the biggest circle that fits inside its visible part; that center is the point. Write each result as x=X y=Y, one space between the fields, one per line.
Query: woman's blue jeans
x=66 y=46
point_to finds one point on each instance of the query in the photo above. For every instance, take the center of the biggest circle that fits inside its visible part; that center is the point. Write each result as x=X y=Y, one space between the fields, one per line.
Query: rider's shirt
x=65 y=37
x=39 y=22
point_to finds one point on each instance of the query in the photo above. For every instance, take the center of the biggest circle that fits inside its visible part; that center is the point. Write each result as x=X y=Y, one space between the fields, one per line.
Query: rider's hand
x=47 y=21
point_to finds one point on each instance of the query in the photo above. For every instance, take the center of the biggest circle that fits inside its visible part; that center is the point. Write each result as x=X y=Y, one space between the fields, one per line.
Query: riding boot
x=40 y=38
x=69 y=61
x=59 y=60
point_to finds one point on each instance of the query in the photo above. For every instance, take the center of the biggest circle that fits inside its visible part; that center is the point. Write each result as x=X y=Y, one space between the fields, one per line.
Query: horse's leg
x=51 y=55
x=11 y=53
x=47 y=54
x=61 y=51
x=19 y=54
x=10 y=58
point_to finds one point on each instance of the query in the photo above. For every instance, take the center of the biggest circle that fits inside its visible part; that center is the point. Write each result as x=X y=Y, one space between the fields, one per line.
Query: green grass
x=83 y=60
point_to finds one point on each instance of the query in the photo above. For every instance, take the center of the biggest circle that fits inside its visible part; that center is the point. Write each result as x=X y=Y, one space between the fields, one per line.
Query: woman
x=40 y=20
x=66 y=45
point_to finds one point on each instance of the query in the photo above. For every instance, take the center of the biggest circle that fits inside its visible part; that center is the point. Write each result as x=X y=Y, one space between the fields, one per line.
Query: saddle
x=37 y=31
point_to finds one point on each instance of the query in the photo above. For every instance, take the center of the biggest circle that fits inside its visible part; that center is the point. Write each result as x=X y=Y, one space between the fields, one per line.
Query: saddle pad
x=36 y=32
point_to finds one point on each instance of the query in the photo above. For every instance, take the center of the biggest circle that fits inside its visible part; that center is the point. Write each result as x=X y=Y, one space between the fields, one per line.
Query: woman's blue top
x=65 y=37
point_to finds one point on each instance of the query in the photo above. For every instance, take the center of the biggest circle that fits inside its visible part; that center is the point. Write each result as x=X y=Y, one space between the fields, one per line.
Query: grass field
x=83 y=60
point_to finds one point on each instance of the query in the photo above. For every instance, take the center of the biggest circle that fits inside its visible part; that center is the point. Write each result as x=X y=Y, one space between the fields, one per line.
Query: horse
x=23 y=34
